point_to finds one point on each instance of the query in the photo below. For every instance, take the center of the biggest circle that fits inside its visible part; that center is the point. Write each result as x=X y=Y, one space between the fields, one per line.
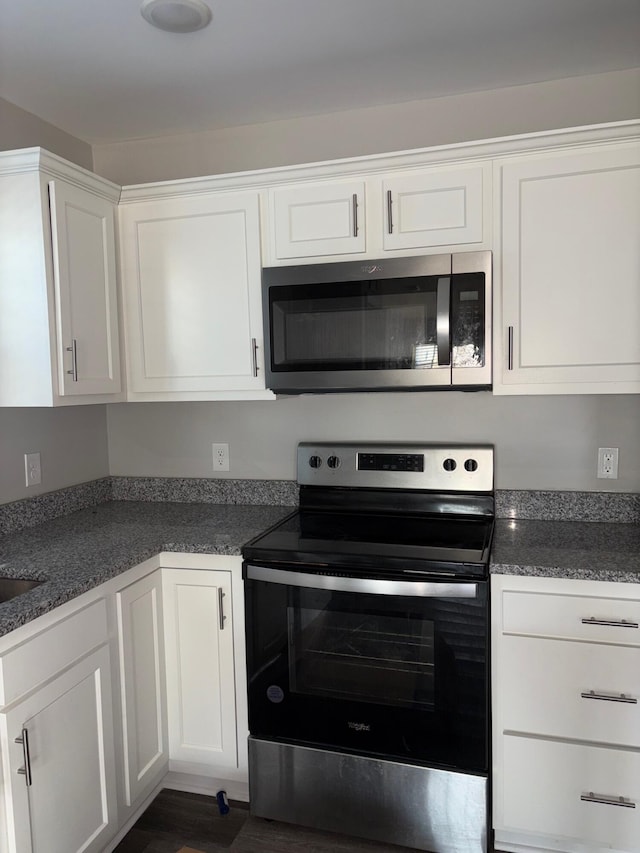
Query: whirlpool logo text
x=359 y=727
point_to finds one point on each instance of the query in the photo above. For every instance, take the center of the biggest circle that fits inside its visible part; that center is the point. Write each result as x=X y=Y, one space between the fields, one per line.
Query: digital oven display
x=390 y=462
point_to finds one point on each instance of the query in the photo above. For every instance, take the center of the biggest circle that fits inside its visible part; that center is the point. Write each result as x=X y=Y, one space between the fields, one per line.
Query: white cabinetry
x=191 y=284
x=313 y=220
x=428 y=208
x=142 y=685
x=438 y=207
x=567 y=274
x=57 y=740
x=566 y=711
x=58 y=309
x=201 y=672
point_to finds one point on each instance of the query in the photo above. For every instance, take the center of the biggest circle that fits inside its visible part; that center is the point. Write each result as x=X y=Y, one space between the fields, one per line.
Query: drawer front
x=547 y=784
x=579 y=617
x=581 y=691
x=45 y=654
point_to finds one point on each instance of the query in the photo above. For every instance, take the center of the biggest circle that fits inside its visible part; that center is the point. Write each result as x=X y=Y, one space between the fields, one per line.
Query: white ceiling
x=96 y=69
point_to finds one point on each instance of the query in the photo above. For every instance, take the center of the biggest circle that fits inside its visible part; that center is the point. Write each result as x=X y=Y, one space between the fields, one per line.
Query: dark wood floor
x=175 y=820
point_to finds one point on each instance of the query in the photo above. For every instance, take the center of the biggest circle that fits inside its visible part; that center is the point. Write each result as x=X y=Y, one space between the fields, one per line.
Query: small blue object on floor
x=223 y=805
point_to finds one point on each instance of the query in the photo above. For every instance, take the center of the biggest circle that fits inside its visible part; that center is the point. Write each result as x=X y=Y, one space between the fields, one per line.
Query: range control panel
x=440 y=467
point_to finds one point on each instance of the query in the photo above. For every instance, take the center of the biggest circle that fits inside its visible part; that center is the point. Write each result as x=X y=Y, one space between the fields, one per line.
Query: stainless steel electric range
x=367 y=618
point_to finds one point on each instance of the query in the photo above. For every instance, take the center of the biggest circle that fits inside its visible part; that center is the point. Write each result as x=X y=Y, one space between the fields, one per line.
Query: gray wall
x=541 y=442
x=416 y=124
x=72 y=441
x=20 y=129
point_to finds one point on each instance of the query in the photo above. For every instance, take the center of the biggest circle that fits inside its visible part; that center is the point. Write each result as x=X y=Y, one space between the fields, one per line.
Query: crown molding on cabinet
x=39 y=160
x=612 y=132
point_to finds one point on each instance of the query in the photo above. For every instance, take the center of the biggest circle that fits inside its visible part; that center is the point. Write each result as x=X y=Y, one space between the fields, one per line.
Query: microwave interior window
x=371 y=325
x=367 y=657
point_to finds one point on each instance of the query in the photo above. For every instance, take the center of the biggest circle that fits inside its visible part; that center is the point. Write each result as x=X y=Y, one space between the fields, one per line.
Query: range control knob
x=333 y=462
x=470 y=465
x=449 y=464
x=315 y=461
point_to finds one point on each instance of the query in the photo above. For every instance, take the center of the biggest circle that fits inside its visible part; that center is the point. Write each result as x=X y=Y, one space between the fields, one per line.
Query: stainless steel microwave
x=393 y=324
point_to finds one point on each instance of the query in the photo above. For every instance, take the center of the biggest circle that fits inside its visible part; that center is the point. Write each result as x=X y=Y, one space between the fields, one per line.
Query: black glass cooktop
x=383 y=541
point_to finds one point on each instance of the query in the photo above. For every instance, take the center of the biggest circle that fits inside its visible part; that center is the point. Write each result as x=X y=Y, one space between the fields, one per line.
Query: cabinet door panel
x=571 y=270
x=200 y=667
x=143 y=689
x=319 y=219
x=192 y=289
x=85 y=283
x=70 y=805
x=434 y=209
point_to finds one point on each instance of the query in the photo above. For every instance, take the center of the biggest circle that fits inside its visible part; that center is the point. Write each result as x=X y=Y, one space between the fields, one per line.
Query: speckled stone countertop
x=602 y=551
x=77 y=552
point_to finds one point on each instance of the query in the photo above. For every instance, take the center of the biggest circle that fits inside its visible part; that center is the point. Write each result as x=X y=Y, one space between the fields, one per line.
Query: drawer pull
x=26 y=769
x=607 y=801
x=610 y=697
x=621 y=624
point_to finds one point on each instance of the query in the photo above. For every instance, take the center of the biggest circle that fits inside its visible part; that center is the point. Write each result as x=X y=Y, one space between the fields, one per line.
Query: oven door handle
x=373 y=586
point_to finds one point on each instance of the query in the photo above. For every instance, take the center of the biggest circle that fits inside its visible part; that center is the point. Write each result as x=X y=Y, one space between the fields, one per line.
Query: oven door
x=375 y=667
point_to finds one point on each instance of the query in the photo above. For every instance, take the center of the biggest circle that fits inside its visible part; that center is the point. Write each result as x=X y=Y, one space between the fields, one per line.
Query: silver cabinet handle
x=354 y=201
x=254 y=355
x=622 y=623
x=442 y=321
x=389 y=213
x=510 y=348
x=73 y=349
x=26 y=770
x=372 y=586
x=610 y=697
x=607 y=801
x=221 y=616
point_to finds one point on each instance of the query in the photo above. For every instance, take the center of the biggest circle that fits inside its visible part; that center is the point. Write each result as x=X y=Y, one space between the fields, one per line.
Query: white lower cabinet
x=137 y=684
x=200 y=670
x=59 y=771
x=142 y=685
x=566 y=715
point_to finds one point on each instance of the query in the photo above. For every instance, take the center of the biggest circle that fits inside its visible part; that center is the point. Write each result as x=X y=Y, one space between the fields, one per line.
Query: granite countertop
x=77 y=552
x=579 y=550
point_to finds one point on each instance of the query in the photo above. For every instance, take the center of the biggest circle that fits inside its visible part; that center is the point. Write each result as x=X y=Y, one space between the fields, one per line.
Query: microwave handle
x=443 y=311
x=372 y=586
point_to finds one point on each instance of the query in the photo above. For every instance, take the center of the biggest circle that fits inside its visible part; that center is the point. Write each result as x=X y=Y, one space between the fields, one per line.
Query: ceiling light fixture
x=176 y=16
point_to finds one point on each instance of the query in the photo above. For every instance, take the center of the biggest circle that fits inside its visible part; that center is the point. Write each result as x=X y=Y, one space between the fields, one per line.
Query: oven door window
x=378 y=657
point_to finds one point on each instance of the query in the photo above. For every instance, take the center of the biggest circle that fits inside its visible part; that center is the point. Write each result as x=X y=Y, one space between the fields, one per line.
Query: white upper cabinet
x=440 y=207
x=567 y=272
x=314 y=220
x=84 y=266
x=430 y=208
x=191 y=271
x=58 y=308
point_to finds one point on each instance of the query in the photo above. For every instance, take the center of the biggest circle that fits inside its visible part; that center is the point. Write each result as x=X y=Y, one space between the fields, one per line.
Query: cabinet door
x=318 y=219
x=570 y=272
x=142 y=684
x=191 y=279
x=84 y=263
x=439 y=208
x=200 y=667
x=70 y=803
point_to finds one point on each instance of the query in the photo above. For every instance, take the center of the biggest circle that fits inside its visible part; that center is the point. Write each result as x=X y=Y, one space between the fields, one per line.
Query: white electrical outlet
x=32 y=469
x=220 y=457
x=608 y=463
